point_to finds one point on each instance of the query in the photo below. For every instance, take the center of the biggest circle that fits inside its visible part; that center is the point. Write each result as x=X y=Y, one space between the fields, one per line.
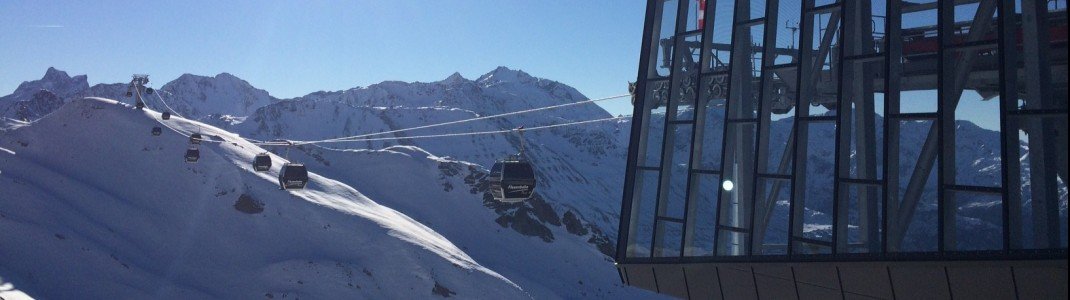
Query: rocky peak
x=504 y=74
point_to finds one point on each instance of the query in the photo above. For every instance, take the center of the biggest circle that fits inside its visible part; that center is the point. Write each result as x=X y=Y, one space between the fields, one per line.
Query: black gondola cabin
x=193 y=155
x=512 y=180
x=262 y=162
x=293 y=176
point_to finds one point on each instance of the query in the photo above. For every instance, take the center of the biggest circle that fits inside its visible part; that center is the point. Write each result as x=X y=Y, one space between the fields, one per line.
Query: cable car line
x=464 y=120
x=474 y=133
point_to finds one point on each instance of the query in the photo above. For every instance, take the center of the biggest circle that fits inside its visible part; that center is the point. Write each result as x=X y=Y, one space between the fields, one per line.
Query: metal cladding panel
x=671 y=280
x=808 y=292
x=819 y=275
x=1041 y=282
x=770 y=287
x=737 y=282
x=981 y=282
x=702 y=282
x=920 y=282
x=642 y=276
x=866 y=281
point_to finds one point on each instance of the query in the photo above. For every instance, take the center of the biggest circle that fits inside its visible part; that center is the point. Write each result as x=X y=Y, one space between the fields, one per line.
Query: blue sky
x=291 y=48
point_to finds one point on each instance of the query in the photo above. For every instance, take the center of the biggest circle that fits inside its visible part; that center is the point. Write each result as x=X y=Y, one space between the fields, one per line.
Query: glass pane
x=863 y=119
x=642 y=215
x=978 y=221
x=746 y=72
x=975 y=22
x=815 y=192
x=789 y=13
x=865 y=32
x=1040 y=214
x=975 y=139
x=664 y=34
x=668 y=239
x=771 y=217
x=777 y=121
x=809 y=248
x=713 y=91
x=696 y=10
x=863 y=204
x=919 y=61
x=1042 y=77
x=686 y=80
x=654 y=121
x=731 y=243
x=912 y=216
x=702 y=215
x=756 y=9
x=821 y=80
x=721 y=36
x=737 y=188
x=676 y=173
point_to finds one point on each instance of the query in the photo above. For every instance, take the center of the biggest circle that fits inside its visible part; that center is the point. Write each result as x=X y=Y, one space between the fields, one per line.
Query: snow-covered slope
x=94 y=206
x=578 y=168
x=548 y=260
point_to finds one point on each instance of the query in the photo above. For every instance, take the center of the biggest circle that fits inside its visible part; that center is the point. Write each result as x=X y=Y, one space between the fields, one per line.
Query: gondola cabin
x=262 y=162
x=157 y=130
x=166 y=115
x=193 y=155
x=511 y=180
x=195 y=138
x=293 y=176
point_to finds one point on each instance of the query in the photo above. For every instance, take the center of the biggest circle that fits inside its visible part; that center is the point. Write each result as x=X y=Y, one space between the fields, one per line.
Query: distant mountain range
x=555 y=245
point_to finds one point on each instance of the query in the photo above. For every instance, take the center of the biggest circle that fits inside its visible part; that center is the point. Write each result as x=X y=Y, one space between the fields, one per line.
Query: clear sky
x=291 y=48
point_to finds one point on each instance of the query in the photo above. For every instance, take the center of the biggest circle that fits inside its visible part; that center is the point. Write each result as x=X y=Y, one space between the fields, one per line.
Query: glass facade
x=833 y=129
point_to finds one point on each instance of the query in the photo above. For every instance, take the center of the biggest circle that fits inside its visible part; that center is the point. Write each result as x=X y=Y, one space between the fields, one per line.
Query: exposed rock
x=573 y=224
x=442 y=291
x=247 y=204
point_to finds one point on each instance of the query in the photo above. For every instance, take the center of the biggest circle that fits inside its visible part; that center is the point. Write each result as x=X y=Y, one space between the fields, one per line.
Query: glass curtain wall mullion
x=813 y=211
x=680 y=70
x=1036 y=221
x=893 y=50
x=802 y=109
x=732 y=243
x=654 y=99
x=858 y=207
x=1008 y=49
x=697 y=196
x=776 y=102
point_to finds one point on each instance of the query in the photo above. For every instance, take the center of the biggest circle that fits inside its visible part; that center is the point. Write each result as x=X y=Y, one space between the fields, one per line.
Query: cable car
x=140 y=105
x=129 y=94
x=512 y=180
x=195 y=138
x=166 y=115
x=149 y=91
x=262 y=162
x=193 y=154
x=293 y=176
x=157 y=130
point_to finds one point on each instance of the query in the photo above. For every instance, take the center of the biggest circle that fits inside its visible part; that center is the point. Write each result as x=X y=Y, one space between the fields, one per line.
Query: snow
x=94 y=203
x=434 y=191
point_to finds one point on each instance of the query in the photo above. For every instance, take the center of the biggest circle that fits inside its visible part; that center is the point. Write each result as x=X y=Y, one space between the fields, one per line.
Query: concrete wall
x=1024 y=279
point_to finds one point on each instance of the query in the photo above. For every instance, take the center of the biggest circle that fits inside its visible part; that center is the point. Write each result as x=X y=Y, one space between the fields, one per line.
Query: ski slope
x=94 y=206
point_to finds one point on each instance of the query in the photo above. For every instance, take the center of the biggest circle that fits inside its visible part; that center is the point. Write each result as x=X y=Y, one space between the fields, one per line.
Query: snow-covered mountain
x=561 y=231
x=189 y=95
x=32 y=100
x=123 y=216
x=578 y=167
